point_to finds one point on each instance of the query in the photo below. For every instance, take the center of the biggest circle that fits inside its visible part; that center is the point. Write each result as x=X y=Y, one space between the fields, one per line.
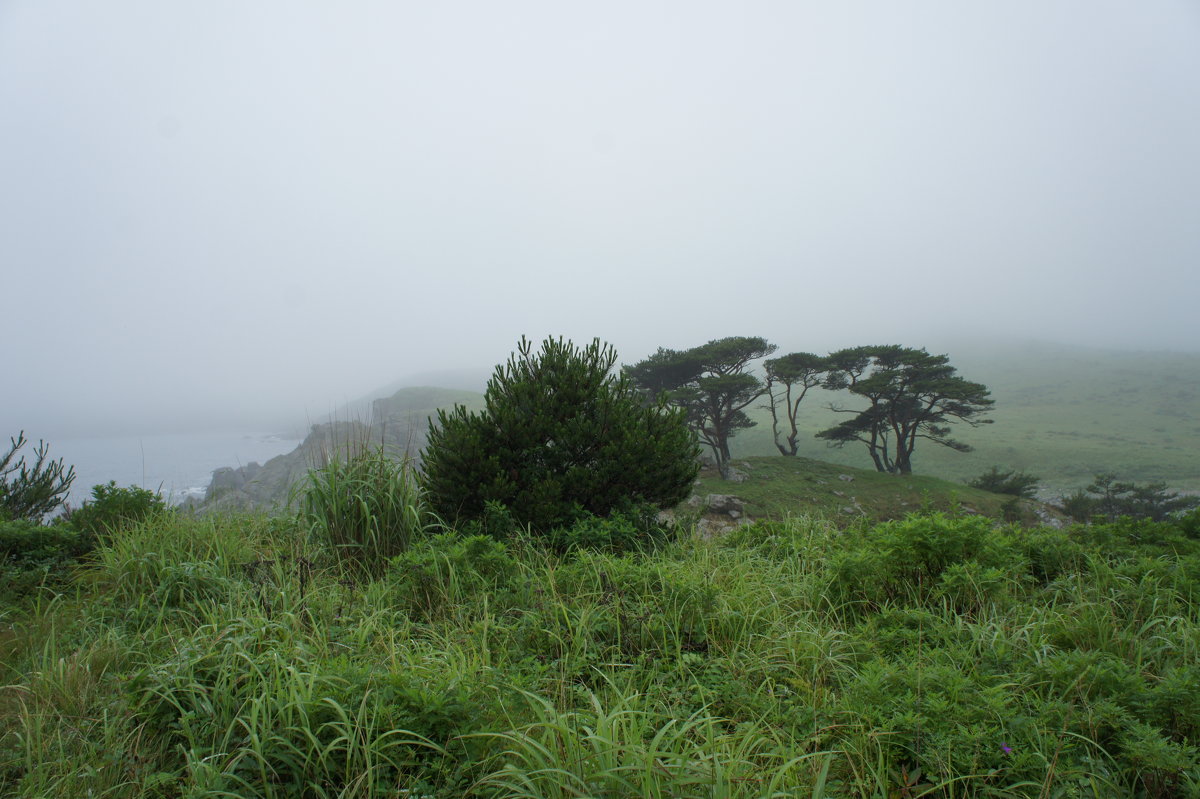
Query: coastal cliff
x=399 y=423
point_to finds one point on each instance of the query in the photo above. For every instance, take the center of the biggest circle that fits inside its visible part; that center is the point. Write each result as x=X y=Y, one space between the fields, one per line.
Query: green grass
x=778 y=487
x=941 y=655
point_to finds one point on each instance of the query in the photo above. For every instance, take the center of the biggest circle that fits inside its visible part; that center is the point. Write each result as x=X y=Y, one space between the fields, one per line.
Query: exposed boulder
x=725 y=504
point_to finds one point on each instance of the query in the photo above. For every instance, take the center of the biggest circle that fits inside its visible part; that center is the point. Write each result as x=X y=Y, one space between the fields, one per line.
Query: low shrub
x=1051 y=553
x=1014 y=483
x=905 y=560
x=1108 y=499
x=632 y=528
x=112 y=508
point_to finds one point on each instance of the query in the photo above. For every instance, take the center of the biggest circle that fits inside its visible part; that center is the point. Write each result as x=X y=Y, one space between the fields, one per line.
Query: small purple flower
x=1007 y=749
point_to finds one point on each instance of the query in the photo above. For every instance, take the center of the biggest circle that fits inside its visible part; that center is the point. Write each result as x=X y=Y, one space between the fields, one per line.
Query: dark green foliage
x=25 y=543
x=366 y=508
x=560 y=437
x=1017 y=484
x=1108 y=498
x=1189 y=524
x=30 y=491
x=343 y=727
x=497 y=521
x=1161 y=766
x=1052 y=553
x=665 y=371
x=448 y=569
x=921 y=556
x=711 y=383
x=32 y=555
x=911 y=395
x=633 y=606
x=111 y=508
x=629 y=529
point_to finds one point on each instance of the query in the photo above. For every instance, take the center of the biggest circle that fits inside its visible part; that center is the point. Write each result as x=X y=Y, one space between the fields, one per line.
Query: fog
x=216 y=214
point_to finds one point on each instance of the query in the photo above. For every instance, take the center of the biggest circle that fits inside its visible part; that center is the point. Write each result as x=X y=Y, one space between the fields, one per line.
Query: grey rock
x=1047 y=518
x=723 y=503
x=399 y=424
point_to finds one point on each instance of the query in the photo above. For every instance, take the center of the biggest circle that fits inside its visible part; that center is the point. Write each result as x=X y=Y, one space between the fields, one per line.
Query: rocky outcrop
x=714 y=514
x=266 y=486
x=399 y=424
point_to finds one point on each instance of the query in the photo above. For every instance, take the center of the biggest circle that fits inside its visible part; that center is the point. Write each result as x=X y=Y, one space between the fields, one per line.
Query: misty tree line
x=910 y=395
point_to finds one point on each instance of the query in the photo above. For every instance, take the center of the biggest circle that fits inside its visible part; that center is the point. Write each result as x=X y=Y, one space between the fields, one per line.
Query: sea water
x=178 y=465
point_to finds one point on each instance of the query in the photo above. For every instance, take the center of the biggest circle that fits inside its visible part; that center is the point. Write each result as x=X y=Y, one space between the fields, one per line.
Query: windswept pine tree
x=911 y=396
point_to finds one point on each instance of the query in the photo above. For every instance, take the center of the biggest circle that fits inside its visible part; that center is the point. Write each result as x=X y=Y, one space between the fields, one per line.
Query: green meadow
x=1064 y=414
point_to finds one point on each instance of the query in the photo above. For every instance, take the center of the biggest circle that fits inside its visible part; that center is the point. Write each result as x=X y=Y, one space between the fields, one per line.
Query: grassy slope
x=776 y=487
x=231 y=657
x=1062 y=413
x=427 y=399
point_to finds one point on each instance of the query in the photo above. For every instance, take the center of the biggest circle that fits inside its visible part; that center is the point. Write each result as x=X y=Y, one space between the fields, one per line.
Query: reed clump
x=365 y=508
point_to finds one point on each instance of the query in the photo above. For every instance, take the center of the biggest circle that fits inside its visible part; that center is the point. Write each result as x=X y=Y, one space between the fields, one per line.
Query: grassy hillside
x=779 y=487
x=940 y=656
x=1062 y=413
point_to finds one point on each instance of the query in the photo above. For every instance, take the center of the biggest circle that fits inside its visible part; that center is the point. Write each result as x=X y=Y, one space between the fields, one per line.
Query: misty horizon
x=216 y=216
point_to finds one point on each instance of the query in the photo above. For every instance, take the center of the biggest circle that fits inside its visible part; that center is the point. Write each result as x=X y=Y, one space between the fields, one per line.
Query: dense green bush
x=26 y=543
x=366 y=508
x=111 y=508
x=636 y=606
x=561 y=437
x=912 y=559
x=1051 y=553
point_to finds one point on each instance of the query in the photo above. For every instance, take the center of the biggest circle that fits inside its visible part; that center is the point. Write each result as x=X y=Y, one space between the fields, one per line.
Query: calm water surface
x=179 y=465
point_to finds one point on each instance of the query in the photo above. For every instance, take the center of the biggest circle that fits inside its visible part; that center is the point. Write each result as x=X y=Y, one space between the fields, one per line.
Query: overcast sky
x=236 y=211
